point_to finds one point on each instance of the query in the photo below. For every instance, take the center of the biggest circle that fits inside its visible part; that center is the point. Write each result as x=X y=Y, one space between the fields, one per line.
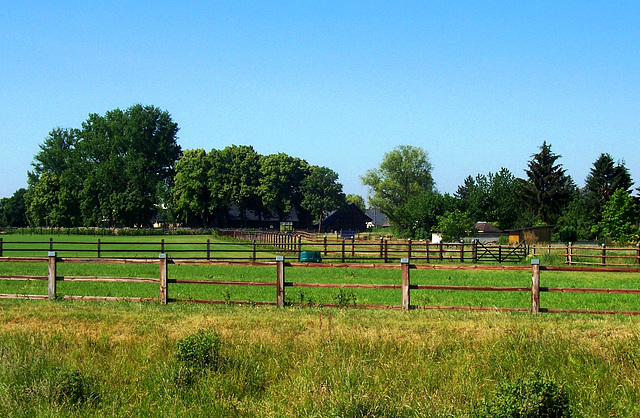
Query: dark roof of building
x=332 y=216
x=378 y=218
x=487 y=228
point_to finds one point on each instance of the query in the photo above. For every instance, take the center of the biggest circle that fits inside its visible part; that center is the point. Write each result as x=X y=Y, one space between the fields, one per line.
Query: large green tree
x=281 y=177
x=114 y=170
x=490 y=198
x=321 y=193
x=605 y=177
x=619 y=216
x=405 y=172
x=190 y=192
x=548 y=189
x=455 y=225
x=56 y=180
x=234 y=178
x=13 y=209
x=419 y=215
x=130 y=157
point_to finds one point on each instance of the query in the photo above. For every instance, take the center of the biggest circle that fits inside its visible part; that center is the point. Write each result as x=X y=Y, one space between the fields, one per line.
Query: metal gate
x=500 y=253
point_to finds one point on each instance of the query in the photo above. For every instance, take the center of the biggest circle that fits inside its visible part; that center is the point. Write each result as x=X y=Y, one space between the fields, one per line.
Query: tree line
x=125 y=168
x=403 y=188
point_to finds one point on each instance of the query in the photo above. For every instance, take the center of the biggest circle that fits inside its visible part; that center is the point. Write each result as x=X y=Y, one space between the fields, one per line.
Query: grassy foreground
x=120 y=359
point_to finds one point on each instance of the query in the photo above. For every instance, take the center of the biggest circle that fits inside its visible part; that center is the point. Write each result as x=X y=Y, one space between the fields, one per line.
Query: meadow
x=63 y=358
x=68 y=358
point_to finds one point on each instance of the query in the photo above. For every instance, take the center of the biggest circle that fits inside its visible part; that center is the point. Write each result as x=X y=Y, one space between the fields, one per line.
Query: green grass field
x=65 y=358
x=68 y=358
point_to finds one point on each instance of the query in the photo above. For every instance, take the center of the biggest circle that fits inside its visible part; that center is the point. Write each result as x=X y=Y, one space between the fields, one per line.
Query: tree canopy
x=548 y=189
x=322 y=193
x=125 y=168
x=404 y=172
x=605 y=177
x=106 y=173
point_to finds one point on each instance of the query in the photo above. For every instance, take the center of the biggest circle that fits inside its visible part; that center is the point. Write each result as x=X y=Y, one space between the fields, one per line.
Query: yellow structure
x=531 y=235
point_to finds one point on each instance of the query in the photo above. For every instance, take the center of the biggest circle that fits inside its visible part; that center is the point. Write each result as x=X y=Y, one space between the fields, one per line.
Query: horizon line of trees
x=125 y=168
x=604 y=209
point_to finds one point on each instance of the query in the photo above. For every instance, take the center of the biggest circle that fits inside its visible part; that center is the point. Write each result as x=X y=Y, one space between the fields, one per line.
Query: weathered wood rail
x=404 y=284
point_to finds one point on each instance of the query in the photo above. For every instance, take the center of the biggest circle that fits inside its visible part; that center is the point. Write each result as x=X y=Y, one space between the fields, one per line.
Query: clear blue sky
x=478 y=85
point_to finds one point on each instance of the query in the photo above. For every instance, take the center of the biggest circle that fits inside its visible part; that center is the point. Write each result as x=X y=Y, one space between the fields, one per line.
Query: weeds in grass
x=533 y=396
x=344 y=298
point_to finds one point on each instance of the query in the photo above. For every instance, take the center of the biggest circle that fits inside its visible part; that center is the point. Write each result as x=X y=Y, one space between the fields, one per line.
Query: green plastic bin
x=310 y=257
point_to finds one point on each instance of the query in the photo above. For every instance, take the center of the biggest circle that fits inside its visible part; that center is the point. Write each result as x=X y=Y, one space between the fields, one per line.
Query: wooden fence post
x=325 y=245
x=52 y=272
x=1 y=247
x=253 y=249
x=51 y=244
x=381 y=246
x=441 y=251
x=474 y=250
x=406 y=281
x=462 y=251
x=280 y=281
x=386 y=250
x=99 y=248
x=208 y=249
x=535 y=285
x=409 y=249
x=164 y=275
x=604 y=254
x=569 y=253
x=162 y=245
x=353 y=246
x=426 y=249
x=343 y=250
x=637 y=251
x=299 y=246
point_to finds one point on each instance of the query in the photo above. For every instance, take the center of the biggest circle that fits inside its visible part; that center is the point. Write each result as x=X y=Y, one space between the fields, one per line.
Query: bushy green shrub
x=199 y=351
x=534 y=396
x=72 y=387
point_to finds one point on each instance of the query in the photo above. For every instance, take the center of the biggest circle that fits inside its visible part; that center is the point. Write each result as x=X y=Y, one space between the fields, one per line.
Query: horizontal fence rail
x=404 y=284
x=261 y=246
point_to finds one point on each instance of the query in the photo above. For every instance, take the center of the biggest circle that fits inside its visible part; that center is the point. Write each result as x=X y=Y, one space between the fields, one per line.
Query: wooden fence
x=404 y=283
x=260 y=246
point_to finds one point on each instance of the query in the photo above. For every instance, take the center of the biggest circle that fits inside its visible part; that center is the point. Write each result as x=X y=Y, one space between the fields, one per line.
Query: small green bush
x=533 y=396
x=199 y=351
x=72 y=387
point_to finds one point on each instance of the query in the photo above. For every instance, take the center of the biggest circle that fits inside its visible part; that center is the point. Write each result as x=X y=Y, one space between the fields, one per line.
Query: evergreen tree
x=603 y=180
x=547 y=190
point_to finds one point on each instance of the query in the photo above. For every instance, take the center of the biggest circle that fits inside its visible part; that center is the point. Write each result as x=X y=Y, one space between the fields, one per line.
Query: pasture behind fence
x=262 y=246
x=404 y=285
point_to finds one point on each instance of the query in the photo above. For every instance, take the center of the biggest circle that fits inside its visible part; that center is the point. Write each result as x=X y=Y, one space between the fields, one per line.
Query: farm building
x=253 y=220
x=350 y=219
x=531 y=234
x=487 y=232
